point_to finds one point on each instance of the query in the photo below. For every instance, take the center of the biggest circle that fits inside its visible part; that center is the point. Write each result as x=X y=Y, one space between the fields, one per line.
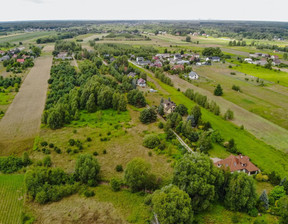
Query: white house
x=248 y=60
x=141 y=82
x=139 y=59
x=193 y=75
x=214 y=59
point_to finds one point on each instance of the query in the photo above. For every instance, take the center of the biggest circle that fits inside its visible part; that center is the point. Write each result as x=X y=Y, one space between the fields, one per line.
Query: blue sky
x=143 y=9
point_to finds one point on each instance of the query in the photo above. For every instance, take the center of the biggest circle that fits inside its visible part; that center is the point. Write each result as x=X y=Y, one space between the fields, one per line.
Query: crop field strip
x=12 y=198
x=23 y=117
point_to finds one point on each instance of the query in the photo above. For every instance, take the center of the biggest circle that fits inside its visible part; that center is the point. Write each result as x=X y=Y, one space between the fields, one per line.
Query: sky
x=256 y=10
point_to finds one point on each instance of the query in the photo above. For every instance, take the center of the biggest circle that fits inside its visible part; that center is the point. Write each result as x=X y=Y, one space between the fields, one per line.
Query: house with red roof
x=20 y=60
x=178 y=67
x=238 y=163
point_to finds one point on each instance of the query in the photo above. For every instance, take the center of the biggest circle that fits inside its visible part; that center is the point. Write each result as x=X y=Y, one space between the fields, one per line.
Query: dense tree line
x=7 y=82
x=67 y=46
x=12 y=164
x=164 y=78
x=202 y=101
x=54 y=38
x=111 y=49
x=238 y=43
x=212 y=52
x=44 y=184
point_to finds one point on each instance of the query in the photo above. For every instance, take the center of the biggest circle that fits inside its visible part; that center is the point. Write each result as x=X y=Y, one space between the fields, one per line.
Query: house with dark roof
x=169 y=106
x=238 y=164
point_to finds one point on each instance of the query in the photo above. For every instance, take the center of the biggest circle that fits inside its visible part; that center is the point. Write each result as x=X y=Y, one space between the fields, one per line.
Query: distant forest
x=233 y=29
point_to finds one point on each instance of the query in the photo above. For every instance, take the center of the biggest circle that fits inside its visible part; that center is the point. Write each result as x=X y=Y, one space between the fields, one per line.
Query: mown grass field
x=278 y=77
x=273 y=107
x=12 y=198
x=266 y=157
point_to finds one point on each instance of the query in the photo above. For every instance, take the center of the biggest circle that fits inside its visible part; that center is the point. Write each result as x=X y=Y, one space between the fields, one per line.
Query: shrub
x=160 y=125
x=88 y=139
x=10 y=164
x=44 y=143
x=236 y=88
x=51 y=145
x=253 y=212
x=229 y=115
x=89 y=193
x=104 y=151
x=95 y=153
x=119 y=168
x=115 y=184
x=69 y=150
x=71 y=142
x=47 y=162
x=151 y=141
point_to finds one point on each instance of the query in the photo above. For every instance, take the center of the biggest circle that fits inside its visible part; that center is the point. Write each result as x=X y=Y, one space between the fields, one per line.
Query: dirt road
x=22 y=120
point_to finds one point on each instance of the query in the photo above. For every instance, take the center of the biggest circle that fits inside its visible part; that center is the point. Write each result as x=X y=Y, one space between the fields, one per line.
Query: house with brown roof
x=169 y=106
x=238 y=163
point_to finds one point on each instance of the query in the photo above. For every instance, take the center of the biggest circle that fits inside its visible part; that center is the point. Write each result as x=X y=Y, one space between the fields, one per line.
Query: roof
x=20 y=60
x=193 y=73
x=181 y=67
x=141 y=81
x=236 y=163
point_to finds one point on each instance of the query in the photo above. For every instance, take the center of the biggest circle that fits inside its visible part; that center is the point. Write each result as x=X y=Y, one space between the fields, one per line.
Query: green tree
x=283 y=210
x=105 y=98
x=229 y=115
x=54 y=119
x=115 y=184
x=240 y=193
x=205 y=143
x=188 y=39
x=181 y=109
x=264 y=199
x=197 y=176
x=172 y=205
x=285 y=56
x=122 y=106
x=151 y=141
x=218 y=90
x=277 y=192
x=161 y=110
x=115 y=100
x=137 y=174
x=148 y=115
x=25 y=159
x=91 y=105
x=87 y=169
x=196 y=112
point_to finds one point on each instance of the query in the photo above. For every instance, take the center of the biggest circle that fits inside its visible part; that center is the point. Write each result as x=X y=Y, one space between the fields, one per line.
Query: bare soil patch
x=22 y=120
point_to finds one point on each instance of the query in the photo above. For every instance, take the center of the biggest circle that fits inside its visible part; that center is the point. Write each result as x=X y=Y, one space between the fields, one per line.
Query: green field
x=25 y=36
x=267 y=158
x=130 y=205
x=262 y=73
x=12 y=198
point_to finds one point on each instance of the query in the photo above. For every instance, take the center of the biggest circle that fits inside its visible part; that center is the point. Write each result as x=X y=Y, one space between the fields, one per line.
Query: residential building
x=238 y=164
x=169 y=106
x=214 y=59
x=141 y=82
x=193 y=75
